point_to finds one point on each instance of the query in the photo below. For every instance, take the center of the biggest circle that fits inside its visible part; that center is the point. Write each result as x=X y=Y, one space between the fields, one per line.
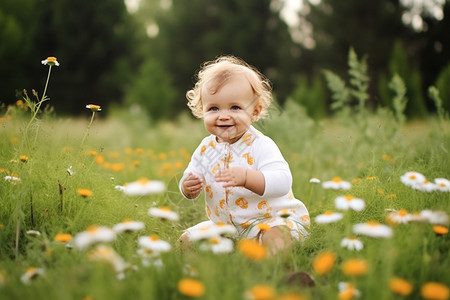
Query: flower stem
x=88 y=128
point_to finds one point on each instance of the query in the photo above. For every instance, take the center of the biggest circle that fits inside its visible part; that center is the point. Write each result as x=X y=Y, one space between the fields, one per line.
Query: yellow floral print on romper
x=242 y=203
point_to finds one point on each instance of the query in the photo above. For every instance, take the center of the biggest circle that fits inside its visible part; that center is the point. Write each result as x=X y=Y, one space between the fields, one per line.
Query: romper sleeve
x=271 y=163
x=193 y=167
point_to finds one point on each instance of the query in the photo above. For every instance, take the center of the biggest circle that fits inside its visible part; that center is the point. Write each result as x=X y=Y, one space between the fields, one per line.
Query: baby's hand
x=192 y=186
x=232 y=177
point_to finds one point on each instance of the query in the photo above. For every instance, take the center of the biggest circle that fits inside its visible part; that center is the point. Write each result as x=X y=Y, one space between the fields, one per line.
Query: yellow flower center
x=51 y=58
x=337 y=179
x=349 y=198
x=328 y=213
x=372 y=223
x=402 y=212
x=153 y=237
x=165 y=208
x=412 y=177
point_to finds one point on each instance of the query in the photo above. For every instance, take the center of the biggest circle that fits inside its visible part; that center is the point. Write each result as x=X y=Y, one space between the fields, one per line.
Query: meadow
x=65 y=179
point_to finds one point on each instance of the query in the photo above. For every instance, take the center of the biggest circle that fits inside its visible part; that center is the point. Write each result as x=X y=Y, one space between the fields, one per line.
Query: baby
x=246 y=180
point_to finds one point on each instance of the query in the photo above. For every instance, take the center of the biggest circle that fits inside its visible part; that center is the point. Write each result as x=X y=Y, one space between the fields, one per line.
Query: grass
x=370 y=150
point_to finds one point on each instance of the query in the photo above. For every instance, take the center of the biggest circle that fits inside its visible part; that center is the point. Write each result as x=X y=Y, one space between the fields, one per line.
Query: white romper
x=239 y=206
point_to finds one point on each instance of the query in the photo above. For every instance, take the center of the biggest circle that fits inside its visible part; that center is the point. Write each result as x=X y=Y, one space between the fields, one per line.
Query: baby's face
x=231 y=110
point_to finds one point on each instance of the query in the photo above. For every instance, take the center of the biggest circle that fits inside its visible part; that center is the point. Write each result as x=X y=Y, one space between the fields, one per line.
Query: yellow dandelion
x=261 y=292
x=434 y=291
x=191 y=287
x=400 y=286
x=93 y=107
x=252 y=249
x=23 y=158
x=84 y=192
x=92 y=153
x=263 y=227
x=63 y=237
x=440 y=230
x=100 y=159
x=324 y=262
x=355 y=267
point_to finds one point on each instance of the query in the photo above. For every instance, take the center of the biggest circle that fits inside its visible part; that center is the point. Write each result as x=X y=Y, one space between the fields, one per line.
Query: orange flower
x=324 y=262
x=354 y=267
x=440 y=230
x=261 y=292
x=435 y=291
x=84 y=192
x=252 y=249
x=191 y=287
x=63 y=237
x=93 y=107
x=23 y=158
x=400 y=286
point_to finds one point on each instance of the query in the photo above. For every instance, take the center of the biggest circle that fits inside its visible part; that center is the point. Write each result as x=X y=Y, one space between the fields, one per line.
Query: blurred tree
x=191 y=32
x=17 y=27
x=97 y=44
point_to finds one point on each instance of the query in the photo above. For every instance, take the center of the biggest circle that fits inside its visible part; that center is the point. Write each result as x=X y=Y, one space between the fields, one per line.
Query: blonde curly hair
x=217 y=72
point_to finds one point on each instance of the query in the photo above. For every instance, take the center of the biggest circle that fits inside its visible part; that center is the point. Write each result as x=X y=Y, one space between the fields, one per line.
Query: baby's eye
x=235 y=107
x=213 y=108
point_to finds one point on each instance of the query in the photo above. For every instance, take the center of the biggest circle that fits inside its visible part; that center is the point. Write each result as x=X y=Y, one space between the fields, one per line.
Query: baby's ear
x=257 y=111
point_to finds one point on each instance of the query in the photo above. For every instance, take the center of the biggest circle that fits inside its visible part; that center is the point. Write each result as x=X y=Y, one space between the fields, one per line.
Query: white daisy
x=107 y=254
x=442 y=184
x=347 y=291
x=217 y=245
x=352 y=244
x=337 y=184
x=399 y=217
x=349 y=202
x=12 y=178
x=412 y=179
x=51 y=61
x=163 y=212
x=426 y=186
x=373 y=229
x=314 y=180
x=128 y=226
x=328 y=217
x=210 y=230
x=153 y=243
x=31 y=274
x=144 y=187
x=435 y=217
x=93 y=235
x=33 y=233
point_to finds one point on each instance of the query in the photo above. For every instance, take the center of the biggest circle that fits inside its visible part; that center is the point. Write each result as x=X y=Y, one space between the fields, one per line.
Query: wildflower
x=217 y=245
x=154 y=244
x=324 y=262
x=128 y=225
x=440 y=230
x=290 y=296
x=263 y=227
x=349 y=202
x=252 y=249
x=373 y=229
x=100 y=159
x=92 y=235
x=435 y=291
x=388 y=158
x=93 y=107
x=33 y=233
x=12 y=178
x=352 y=244
x=144 y=187
x=107 y=254
x=190 y=270
x=399 y=217
x=164 y=213
x=400 y=286
x=426 y=186
x=84 y=192
x=51 y=61
x=260 y=292
x=63 y=237
x=442 y=184
x=337 y=184
x=328 y=217
x=354 y=267
x=314 y=180
x=23 y=158
x=191 y=287
x=347 y=291
x=435 y=217
x=69 y=170
x=372 y=178
x=31 y=274
x=211 y=230
x=412 y=179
